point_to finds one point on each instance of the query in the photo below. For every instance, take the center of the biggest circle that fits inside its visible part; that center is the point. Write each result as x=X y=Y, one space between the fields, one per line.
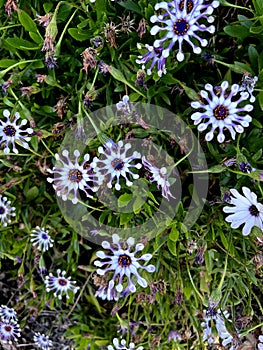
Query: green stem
x=57 y=47
x=47 y=148
x=3 y=72
x=226 y=3
x=192 y=282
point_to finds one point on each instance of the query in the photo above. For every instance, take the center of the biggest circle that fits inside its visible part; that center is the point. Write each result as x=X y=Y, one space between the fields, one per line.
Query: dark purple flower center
x=189 y=5
x=220 y=112
x=8 y=328
x=124 y=261
x=44 y=236
x=62 y=282
x=2 y=210
x=117 y=164
x=75 y=175
x=9 y=130
x=181 y=27
x=253 y=210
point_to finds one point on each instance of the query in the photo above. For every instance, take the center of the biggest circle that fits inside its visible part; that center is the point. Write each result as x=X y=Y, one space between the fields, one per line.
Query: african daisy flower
x=7 y=313
x=9 y=331
x=41 y=239
x=181 y=22
x=10 y=132
x=158 y=176
x=42 y=341
x=121 y=345
x=123 y=262
x=116 y=164
x=246 y=210
x=153 y=55
x=221 y=112
x=6 y=211
x=248 y=84
x=72 y=177
x=60 y=284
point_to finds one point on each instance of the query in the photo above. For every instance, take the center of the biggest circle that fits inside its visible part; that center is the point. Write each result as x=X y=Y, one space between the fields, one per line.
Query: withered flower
x=110 y=32
x=44 y=20
x=141 y=30
x=41 y=78
x=89 y=59
x=61 y=107
x=26 y=91
x=126 y=24
x=50 y=60
x=6 y=85
x=10 y=6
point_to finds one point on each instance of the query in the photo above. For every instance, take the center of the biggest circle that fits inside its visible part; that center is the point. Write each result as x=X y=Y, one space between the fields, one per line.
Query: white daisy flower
x=246 y=210
x=72 y=177
x=60 y=284
x=121 y=345
x=41 y=239
x=116 y=163
x=221 y=112
x=181 y=22
x=6 y=211
x=123 y=262
x=9 y=331
x=7 y=313
x=42 y=341
x=10 y=132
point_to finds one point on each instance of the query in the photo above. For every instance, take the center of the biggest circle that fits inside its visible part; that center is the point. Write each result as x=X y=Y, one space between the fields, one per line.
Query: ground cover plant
x=131 y=199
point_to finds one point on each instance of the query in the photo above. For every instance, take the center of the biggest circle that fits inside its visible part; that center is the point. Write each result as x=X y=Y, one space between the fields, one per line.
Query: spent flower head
x=72 y=177
x=179 y=21
x=123 y=262
x=222 y=112
x=11 y=132
x=245 y=210
x=6 y=211
x=60 y=284
x=41 y=239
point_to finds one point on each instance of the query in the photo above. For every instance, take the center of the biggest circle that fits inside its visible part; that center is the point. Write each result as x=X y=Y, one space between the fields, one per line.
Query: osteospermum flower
x=159 y=176
x=42 y=341
x=123 y=262
x=72 y=177
x=60 y=284
x=246 y=210
x=221 y=112
x=10 y=132
x=6 y=211
x=41 y=239
x=9 y=331
x=180 y=21
x=248 y=84
x=7 y=313
x=116 y=164
x=124 y=106
x=121 y=345
x=153 y=55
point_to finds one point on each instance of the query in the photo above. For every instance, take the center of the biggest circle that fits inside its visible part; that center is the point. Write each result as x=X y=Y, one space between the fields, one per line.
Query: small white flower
x=41 y=239
x=124 y=106
x=248 y=84
x=246 y=210
x=6 y=211
x=72 y=176
x=7 y=313
x=260 y=344
x=9 y=331
x=123 y=262
x=121 y=345
x=116 y=164
x=159 y=176
x=180 y=20
x=60 y=284
x=42 y=341
x=221 y=112
x=10 y=132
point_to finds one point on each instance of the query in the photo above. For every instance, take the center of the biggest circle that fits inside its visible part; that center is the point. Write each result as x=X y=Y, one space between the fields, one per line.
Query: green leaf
x=7 y=63
x=237 y=31
x=257 y=123
x=32 y=193
x=172 y=247
x=223 y=240
x=137 y=205
x=132 y=6
x=256 y=29
x=30 y=26
x=80 y=35
x=22 y=44
x=124 y=199
x=174 y=234
x=260 y=99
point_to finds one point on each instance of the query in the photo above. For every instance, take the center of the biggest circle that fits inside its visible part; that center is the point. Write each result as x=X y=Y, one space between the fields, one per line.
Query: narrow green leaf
x=132 y=6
